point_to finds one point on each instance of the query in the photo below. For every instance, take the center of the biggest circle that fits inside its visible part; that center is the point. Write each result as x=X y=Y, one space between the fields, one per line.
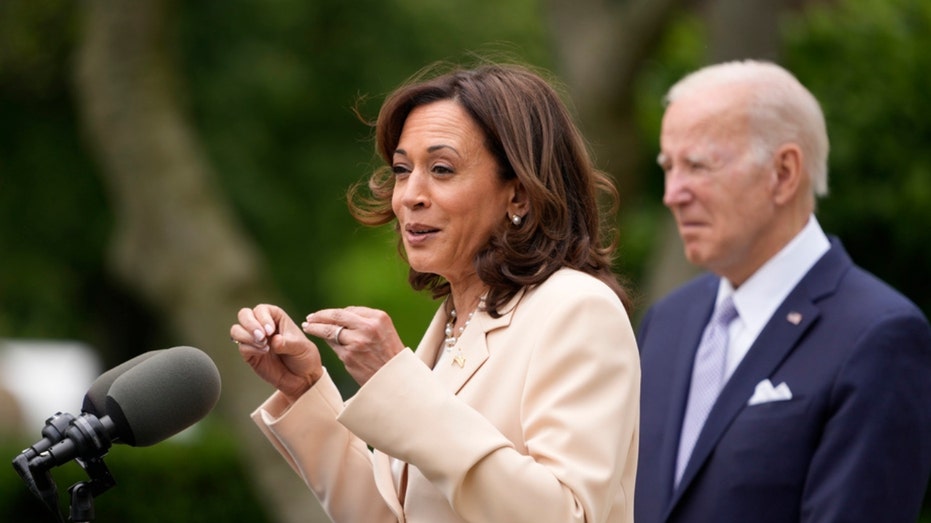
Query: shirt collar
x=759 y=297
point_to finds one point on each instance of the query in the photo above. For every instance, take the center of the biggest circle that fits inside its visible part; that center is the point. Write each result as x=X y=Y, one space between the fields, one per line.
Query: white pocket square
x=765 y=393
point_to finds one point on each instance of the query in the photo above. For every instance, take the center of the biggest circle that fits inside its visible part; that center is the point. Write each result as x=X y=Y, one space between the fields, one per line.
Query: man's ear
x=789 y=175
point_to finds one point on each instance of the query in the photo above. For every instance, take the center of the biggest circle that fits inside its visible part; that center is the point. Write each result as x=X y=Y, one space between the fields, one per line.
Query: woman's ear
x=789 y=173
x=519 y=203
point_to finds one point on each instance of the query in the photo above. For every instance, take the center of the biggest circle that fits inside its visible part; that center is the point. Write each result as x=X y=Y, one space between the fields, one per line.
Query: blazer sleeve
x=578 y=413
x=334 y=463
x=873 y=461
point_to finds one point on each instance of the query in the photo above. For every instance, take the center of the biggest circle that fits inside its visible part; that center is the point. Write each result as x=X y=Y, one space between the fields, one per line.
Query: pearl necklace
x=451 y=339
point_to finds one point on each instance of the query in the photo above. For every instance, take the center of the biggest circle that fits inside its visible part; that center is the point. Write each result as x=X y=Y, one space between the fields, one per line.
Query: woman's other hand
x=363 y=338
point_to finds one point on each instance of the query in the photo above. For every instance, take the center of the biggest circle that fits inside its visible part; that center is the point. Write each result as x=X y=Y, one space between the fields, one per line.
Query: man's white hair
x=780 y=108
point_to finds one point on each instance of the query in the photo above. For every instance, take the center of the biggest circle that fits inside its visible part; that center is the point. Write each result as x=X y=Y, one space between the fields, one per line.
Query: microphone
x=148 y=399
x=52 y=432
x=163 y=395
x=95 y=400
x=94 y=403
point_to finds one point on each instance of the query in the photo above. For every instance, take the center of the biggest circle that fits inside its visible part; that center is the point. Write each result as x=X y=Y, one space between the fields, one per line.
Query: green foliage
x=294 y=71
x=681 y=51
x=35 y=38
x=271 y=86
x=53 y=213
x=867 y=62
x=372 y=272
x=194 y=477
x=273 y=89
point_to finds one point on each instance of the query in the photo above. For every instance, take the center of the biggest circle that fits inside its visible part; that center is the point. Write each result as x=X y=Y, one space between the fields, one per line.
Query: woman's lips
x=418 y=233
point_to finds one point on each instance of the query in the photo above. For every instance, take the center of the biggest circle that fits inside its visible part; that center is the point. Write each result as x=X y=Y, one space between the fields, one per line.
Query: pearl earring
x=516 y=219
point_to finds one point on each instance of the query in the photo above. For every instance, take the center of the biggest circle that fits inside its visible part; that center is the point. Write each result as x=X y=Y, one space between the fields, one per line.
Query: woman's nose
x=414 y=190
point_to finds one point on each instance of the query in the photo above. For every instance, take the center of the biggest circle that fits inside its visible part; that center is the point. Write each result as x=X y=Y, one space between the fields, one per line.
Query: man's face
x=717 y=185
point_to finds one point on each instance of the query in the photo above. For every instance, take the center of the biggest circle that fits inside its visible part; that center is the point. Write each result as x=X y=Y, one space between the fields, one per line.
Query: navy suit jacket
x=854 y=442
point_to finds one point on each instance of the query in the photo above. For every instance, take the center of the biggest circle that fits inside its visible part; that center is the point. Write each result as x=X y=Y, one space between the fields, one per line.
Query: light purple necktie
x=707 y=379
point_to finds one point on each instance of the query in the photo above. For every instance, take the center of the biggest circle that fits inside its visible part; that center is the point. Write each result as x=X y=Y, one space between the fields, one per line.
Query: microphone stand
x=40 y=483
x=83 y=492
x=34 y=466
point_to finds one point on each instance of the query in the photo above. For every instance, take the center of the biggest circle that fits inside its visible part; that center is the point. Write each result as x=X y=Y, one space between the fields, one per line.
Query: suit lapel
x=776 y=341
x=693 y=321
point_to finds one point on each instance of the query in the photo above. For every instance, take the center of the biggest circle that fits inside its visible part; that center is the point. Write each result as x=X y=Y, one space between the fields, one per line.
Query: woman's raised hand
x=276 y=349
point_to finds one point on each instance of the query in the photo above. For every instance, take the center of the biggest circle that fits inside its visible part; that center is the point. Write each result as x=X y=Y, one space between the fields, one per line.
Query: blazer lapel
x=429 y=347
x=473 y=344
x=384 y=481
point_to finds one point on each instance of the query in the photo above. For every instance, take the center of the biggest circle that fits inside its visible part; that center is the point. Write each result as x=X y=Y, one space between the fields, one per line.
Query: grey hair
x=781 y=110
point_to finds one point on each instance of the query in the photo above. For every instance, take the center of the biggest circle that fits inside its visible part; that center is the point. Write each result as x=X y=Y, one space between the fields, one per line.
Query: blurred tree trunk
x=601 y=47
x=176 y=243
x=737 y=29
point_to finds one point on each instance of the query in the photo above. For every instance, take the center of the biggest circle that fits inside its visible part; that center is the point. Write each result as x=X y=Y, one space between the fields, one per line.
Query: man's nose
x=676 y=190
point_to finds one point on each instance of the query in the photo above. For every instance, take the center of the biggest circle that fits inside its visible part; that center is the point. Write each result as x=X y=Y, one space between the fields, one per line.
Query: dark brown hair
x=532 y=136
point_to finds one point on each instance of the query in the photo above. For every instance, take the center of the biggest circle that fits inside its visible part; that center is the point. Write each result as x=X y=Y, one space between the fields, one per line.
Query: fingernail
x=269 y=329
x=258 y=335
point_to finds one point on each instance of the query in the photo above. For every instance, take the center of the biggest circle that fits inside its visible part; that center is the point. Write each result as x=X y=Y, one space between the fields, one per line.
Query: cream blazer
x=539 y=425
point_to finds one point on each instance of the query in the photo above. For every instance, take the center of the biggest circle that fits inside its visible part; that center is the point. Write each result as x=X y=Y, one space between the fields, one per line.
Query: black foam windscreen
x=95 y=401
x=162 y=395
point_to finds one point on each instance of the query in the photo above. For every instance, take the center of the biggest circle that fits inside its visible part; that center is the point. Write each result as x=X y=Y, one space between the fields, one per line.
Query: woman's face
x=448 y=196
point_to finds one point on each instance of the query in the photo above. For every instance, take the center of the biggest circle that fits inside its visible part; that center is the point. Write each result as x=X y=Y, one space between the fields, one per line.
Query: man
x=811 y=399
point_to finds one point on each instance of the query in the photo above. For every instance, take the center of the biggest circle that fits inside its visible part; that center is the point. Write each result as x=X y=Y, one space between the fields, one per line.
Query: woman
x=521 y=400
